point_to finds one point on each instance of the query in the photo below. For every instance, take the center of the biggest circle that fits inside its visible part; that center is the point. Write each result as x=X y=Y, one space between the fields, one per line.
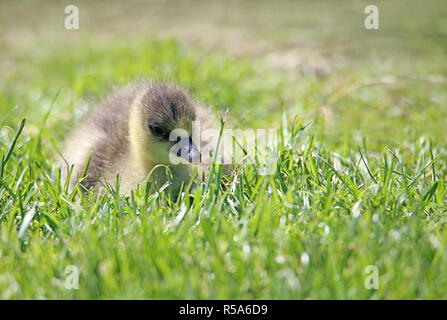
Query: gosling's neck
x=138 y=136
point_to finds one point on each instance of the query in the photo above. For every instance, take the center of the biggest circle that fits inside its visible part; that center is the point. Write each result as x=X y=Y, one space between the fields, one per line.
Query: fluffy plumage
x=128 y=134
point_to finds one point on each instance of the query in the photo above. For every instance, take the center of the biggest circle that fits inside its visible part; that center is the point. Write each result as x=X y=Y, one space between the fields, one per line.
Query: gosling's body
x=117 y=137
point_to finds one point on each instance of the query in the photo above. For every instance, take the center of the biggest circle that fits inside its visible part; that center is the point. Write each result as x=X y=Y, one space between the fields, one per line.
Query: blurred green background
x=315 y=58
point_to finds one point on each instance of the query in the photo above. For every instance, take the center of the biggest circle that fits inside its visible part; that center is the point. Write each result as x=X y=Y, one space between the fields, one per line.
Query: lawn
x=360 y=183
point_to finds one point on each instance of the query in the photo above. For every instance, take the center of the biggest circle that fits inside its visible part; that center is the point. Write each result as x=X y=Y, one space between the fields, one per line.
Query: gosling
x=134 y=131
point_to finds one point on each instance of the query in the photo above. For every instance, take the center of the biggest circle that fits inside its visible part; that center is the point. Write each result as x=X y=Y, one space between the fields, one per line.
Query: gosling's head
x=160 y=125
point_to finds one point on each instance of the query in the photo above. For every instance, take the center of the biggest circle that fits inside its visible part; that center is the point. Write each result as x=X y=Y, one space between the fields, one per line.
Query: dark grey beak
x=189 y=151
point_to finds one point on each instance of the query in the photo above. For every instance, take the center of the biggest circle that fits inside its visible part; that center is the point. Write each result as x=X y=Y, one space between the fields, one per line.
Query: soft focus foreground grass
x=364 y=184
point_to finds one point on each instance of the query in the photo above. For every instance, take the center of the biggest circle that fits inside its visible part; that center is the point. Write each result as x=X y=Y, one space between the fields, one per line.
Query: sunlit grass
x=332 y=207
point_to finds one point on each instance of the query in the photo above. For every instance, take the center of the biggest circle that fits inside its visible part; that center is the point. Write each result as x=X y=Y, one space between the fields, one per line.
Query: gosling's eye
x=157 y=130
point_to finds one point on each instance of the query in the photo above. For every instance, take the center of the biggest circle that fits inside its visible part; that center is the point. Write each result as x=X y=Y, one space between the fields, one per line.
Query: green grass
x=243 y=241
x=364 y=184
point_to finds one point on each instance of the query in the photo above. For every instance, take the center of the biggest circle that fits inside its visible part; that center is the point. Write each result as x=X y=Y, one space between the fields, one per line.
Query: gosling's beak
x=189 y=151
